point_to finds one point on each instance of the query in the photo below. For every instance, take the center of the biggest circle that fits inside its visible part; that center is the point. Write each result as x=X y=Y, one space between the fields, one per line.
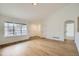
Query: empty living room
x=39 y=29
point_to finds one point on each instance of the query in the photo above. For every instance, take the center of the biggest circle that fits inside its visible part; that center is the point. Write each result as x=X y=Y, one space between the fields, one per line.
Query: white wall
x=54 y=24
x=31 y=32
x=3 y=39
x=35 y=28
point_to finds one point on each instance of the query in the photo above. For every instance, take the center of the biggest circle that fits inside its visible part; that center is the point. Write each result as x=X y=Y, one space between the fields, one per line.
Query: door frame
x=68 y=21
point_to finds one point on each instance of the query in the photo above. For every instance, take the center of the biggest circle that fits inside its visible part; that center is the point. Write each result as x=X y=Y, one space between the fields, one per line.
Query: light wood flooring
x=40 y=47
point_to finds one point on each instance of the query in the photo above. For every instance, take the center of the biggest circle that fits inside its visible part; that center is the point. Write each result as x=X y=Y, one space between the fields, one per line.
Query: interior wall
x=3 y=39
x=53 y=27
x=33 y=28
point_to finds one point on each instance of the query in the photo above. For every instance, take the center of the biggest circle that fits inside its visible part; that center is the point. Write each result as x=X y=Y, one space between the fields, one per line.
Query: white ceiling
x=28 y=11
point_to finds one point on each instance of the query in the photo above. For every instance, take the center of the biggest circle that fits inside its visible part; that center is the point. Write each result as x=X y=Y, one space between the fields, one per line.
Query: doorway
x=69 y=30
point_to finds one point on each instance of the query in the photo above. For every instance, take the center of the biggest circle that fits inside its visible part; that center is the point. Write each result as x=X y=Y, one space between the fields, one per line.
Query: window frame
x=14 y=35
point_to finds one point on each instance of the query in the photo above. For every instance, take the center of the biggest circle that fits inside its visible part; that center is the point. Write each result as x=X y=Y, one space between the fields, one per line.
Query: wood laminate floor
x=40 y=47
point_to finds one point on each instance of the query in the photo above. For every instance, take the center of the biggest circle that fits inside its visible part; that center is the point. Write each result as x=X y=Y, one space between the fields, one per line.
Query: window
x=15 y=29
x=23 y=30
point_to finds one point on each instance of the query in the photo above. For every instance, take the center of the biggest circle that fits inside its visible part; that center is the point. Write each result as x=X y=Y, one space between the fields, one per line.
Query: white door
x=69 y=30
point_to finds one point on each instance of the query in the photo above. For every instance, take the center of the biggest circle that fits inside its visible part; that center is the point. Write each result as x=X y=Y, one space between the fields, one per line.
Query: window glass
x=17 y=29
x=24 y=29
x=14 y=29
x=9 y=29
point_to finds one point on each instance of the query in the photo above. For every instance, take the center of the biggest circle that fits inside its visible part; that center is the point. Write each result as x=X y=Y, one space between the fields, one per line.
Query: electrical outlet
x=56 y=37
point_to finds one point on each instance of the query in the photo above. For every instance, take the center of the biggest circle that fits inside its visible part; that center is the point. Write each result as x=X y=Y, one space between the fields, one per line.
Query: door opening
x=69 y=30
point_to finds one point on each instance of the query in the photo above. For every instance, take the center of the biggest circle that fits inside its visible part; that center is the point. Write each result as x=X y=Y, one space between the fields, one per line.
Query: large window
x=15 y=29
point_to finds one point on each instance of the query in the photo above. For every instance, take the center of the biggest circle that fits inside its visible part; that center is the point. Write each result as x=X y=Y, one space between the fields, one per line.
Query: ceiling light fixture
x=34 y=3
